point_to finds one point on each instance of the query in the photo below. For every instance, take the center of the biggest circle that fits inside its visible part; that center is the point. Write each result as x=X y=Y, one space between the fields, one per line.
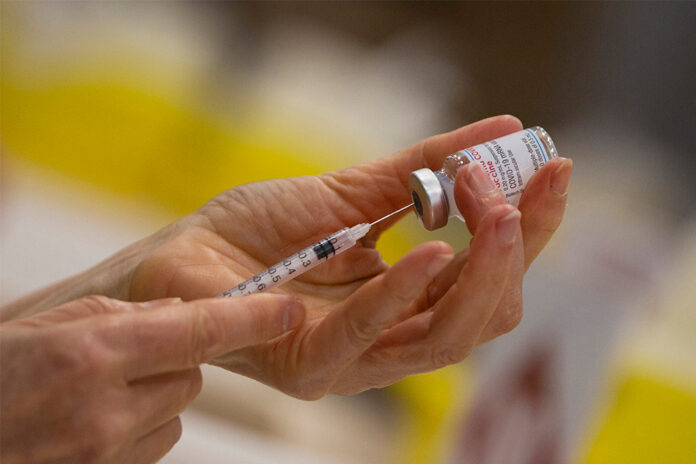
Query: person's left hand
x=103 y=381
x=368 y=324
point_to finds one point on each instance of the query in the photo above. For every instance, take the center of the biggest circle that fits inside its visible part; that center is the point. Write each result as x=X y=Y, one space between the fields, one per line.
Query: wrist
x=112 y=277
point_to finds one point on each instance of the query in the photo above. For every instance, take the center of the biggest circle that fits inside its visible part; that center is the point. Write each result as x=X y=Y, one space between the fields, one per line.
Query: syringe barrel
x=297 y=264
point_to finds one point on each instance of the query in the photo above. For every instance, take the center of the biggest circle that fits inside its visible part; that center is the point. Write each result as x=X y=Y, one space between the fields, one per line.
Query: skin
x=365 y=324
x=368 y=325
x=100 y=380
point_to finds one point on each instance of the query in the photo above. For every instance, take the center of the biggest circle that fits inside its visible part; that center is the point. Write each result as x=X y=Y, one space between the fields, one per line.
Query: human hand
x=101 y=380
x=368 y=324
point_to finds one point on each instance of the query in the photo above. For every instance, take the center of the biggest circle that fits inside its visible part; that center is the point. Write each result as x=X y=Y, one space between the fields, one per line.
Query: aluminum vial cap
x=429 y=199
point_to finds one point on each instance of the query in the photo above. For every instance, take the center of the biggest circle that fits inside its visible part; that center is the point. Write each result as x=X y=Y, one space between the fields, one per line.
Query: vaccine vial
x=509 y=161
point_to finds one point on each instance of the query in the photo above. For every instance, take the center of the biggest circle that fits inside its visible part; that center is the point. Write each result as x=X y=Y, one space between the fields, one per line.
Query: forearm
x=112 y=277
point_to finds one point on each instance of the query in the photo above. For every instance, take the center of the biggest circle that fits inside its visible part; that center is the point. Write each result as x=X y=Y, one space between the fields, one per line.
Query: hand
x=100 y=380
x=368 y=324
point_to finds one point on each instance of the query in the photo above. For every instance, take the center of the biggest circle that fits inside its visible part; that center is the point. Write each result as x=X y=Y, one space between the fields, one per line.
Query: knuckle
x=552 y=225
x=398 y=290
x=488 y=279
x=503 y=321
x=188 y=385
x=104 y=436
x=413 y=358
x=308 y=390
x=361 y=332
x=195 y=384
x=81 y=356
x=544 y=222
x=91 y=364
x=92 y=357
x=96 y=304
x=311 y=395
x=512 y=318
x=176 y=430
x=204 y=331
x=450 y=354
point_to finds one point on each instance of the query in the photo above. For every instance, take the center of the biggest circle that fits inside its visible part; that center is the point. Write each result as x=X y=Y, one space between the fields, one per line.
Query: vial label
x=509 y=161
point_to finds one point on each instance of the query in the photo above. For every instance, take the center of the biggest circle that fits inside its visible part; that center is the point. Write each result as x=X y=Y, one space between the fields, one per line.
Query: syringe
x=306 y=259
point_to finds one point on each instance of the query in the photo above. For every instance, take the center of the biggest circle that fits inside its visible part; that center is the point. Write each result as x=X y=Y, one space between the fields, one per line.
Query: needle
x=391 y=214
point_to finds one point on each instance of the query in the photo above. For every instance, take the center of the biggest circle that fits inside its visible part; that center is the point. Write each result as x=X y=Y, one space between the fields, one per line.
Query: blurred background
x=119 y=117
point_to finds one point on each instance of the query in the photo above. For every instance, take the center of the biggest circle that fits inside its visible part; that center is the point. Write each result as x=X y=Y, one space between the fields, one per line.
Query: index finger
x=184 y=335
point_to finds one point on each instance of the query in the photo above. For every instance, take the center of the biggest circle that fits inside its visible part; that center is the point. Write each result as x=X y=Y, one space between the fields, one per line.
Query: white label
x=510 y=161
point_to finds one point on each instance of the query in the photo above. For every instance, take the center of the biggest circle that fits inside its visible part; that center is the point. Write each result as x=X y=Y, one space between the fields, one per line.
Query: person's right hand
x=101 y=380
x=368 y=324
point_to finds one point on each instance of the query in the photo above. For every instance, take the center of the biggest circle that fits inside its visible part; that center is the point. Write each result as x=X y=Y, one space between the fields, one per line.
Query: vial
x=509 y=161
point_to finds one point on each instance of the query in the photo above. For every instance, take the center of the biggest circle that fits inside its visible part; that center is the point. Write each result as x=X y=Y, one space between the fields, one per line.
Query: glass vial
x=509 y=161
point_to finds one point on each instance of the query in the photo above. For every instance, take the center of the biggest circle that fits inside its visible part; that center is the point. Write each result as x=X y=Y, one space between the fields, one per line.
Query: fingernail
x=160 y=302
x=560 y=179
x=438 y=263
x=478 y=180
x=507 y=227
x=293 y=315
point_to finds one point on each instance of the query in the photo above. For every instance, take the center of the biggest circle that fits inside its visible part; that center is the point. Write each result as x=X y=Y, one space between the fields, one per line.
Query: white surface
x=210 y=440
x=52 y=228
